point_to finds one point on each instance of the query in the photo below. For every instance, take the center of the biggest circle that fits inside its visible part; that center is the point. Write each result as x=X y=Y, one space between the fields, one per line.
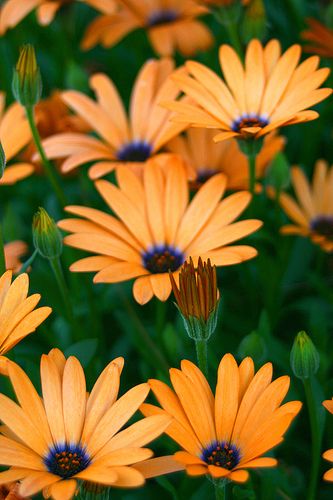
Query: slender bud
x=46 y=236
x=197 y=298
x=254 y=22
x=27 y=82
x=304 y=357
x=2 y=161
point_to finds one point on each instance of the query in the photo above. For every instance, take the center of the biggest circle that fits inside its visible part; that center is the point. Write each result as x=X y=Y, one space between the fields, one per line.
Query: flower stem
x=201 y=347
x=49 y=168
x=2 y=254
x=252 y=172
x=220 y=490
x=59 y=276
x=315 y=438
x=28 y=262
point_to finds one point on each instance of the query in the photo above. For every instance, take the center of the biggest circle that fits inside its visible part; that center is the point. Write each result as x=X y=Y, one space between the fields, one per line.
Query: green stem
x=201 y=347
x=315 y=439
x=49 y=168
x=252 y=172
x=220 y=490
x=59 y=276
x=28 y=262
x=2 y=254
x=154 y=354
x=229 y=17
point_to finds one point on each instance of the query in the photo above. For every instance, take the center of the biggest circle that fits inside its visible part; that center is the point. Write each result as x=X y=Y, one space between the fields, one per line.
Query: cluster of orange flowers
x=187 y=131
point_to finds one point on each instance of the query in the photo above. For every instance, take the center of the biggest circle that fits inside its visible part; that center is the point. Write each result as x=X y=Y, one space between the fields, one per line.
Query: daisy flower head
x=170 y=25
x=225 y=434
x=319 y=38
x=269 y=91
x=66 y=437
x=121 y=138
x=14 y=250
x=13 y=11
x=312 y=214
x=15 y=135
x=204 y=158
x=157 y=228
x=328 y=455
x=18 y=314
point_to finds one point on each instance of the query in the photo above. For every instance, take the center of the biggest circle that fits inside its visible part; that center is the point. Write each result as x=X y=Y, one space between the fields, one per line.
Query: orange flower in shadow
x=312 y=214
x=170 y=25
x=205 y=158
x=121 y=139
x=319 y=38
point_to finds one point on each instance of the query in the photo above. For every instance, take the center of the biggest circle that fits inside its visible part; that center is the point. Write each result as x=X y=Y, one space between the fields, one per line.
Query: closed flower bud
x=254 y=23
x=197 y=298
x=27 y=82
x=2 y=161
x=304 y=357
x=46 y=236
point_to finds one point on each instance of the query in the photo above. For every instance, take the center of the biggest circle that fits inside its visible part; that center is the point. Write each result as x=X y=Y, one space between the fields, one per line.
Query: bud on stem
x=27 y=82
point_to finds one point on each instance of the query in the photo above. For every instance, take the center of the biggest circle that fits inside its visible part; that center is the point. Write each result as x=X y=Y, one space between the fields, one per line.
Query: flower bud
x=2 y=161
x=304 y=357
x=197 y=298
x=27 y=82
x=46 y=236
x=254 y=23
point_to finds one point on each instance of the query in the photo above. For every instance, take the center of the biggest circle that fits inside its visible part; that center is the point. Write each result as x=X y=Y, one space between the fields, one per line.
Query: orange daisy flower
x=270 y=91
x=320 y=38
x=170 y=25
x=157 y=228
x=328 y=455
x=130 y=140
x=13 y=253
x=204 y=158
x=222 y=436
x=313 y=214
x=14 y=136
x=18 y=316
x=77 y=438
x=13 y=11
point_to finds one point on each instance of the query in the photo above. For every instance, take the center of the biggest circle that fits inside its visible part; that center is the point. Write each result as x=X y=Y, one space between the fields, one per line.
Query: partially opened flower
x=170 y=25
x=121 y=139
x=328 y=455
x=13 y=253
x=270 y=91
x=157 y=228
x=312 y=214
x=55 y=443
x=204 y=158
x=13 y=11
x=18 y=314
x=225 y=434
x=319 y=38
x=14 y=136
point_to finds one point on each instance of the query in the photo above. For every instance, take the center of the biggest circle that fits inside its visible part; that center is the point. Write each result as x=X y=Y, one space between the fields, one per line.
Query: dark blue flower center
x=323 y=225
x=221 y=454
x=162 y=258
x=162 y=16
x=249 y=120
x=66 y=460
x=135 y=151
